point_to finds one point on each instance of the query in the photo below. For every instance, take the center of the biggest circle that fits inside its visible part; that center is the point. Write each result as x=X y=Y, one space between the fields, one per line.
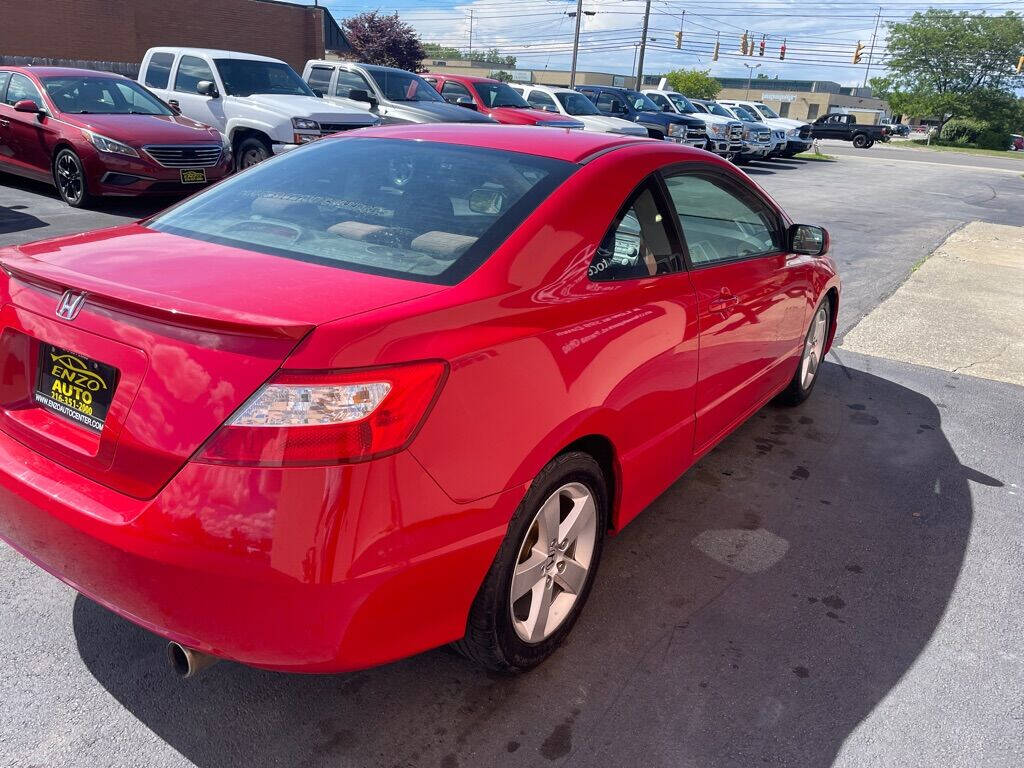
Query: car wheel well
x=241 y=134
x=833 y=310
x=61 y=144
x=603 y=452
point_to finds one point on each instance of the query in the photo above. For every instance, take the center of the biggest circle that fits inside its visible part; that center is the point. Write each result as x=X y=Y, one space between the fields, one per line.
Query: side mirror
x=486 y=201
x=808 y=240
x=317 y=92
x=207 y=88
x=361 y=94
x=666 y=108
x=175 y=107
x=462 y=101
x=27 y=105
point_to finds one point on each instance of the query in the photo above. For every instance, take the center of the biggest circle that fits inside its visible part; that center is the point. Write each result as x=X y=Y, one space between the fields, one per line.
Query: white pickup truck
x=260 y=104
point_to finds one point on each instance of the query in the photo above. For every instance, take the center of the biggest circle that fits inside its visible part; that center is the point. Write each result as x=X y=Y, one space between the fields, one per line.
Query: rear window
x=422 y=211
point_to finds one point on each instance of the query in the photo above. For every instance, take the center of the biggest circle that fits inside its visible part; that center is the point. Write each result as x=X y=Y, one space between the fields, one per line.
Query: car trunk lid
x=183 y=331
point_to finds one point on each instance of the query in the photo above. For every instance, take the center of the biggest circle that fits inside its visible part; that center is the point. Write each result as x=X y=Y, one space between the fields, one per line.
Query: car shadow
x=755 y=614
x=128 y=207
x=13 y=220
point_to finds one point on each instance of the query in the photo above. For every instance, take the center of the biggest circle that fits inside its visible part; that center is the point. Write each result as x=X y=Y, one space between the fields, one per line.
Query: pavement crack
x=989 y=359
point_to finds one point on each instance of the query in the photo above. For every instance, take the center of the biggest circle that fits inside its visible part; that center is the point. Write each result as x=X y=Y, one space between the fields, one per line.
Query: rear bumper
x=311 y=569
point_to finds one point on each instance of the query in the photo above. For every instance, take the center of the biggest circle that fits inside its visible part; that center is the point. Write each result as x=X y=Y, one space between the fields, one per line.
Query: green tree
x=945 y=64
x=438 y=51
x=384 y=40
x=695 y=83
x=502 y=75
x=493 y=56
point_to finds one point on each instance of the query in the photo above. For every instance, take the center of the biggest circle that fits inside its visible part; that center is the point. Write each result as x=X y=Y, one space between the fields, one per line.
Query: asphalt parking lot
x=837 y=584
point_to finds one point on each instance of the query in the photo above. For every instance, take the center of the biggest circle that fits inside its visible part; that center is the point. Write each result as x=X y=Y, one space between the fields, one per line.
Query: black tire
x=870 y=144
x=860 y=141
x=250 y=151
x=69 y=178
x=491 y=640
x=795 y=393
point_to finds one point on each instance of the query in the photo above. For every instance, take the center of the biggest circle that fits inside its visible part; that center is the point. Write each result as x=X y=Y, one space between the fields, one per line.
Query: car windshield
x=682 y=103
x=416 y=210
x=745 y=114
x=576 y=103
x=98 y=95
x=767 y=111
x=403 y=86
x=717 y=109
x=244 y=77
x=641 y=103
x=500 y=95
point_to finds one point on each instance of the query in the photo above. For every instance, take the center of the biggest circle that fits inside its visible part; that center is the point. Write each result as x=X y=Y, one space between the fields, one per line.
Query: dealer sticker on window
x=75 y=386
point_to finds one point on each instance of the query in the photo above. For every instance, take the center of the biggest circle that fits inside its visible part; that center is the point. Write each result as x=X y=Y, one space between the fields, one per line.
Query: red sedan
x=392 y=390
x=95 y=133
x=495 y=99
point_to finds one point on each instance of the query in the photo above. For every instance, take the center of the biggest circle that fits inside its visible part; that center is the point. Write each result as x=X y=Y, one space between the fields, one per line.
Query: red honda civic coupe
x=392 y=391
x=495 y=99
x=92 y=134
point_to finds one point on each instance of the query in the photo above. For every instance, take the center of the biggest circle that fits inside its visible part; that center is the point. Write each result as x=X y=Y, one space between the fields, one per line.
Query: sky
x=820 y=35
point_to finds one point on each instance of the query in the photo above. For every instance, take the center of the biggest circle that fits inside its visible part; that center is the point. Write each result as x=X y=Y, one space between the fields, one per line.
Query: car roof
x=461 y=78
x=545 y=88
x=572 y=146
x=215 y=53
x=58 y=71
x=603 y=87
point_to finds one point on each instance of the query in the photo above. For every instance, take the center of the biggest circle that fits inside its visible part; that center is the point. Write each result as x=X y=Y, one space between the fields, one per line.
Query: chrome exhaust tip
x=187 y=662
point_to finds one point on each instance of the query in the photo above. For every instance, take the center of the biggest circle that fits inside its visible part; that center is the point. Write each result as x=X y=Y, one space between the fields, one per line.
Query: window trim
x=731 y=184
x=336 y=81
x=679 y=254
x=330 y=80
x=40 y=100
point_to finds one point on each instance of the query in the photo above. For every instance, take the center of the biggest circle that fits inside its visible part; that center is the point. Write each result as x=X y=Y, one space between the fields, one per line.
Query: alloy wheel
x=554 y=562
x=813 y=347
x=252 y=156
x=70 y=179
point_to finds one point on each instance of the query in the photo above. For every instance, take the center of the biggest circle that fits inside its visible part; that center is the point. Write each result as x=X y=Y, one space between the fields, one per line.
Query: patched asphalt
x=837 y=584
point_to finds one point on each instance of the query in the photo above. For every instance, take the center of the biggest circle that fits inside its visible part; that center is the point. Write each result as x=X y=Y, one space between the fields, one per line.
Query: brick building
x=120 y=31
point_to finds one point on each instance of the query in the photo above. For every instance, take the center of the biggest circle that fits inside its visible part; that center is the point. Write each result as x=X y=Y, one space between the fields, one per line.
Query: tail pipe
x=188 y=662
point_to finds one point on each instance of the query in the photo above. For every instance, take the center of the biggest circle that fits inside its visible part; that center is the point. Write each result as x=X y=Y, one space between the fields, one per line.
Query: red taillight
x=313 y=418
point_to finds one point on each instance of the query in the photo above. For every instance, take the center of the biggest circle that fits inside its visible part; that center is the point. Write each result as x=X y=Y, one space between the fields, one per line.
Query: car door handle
x=4 y=123
x=723 y=303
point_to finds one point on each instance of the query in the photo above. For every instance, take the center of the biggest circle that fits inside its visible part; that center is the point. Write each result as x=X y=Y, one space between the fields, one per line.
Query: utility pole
x=871 y=50
x=643 y=46
x=470 y=54
x=576 y=43
x=750 y=74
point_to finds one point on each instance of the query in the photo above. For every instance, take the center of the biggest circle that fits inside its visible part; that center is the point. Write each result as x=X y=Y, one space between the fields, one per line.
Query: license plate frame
x=193 y=175
x=74 y=386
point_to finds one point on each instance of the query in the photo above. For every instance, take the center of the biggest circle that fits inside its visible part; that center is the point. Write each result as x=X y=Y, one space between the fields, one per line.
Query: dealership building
x=115 y=34
x=807 y=99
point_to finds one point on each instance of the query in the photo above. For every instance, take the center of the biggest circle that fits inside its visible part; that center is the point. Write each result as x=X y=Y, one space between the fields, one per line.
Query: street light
x=750 y=74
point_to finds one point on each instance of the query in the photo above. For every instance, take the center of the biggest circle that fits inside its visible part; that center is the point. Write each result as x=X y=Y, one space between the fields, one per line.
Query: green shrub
x=993 y=139
x=963 y=131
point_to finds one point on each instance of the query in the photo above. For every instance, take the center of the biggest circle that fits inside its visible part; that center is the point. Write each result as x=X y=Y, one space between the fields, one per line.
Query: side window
x=158 y=73
x=658 y=99
x=451 y=88
x=604 y=101
x=190 y=71
x=721 y=222
x=21 y=88
x=320 y=78
x=541 y=100
x=4 y=77
x=432 y=81
x=350 y=81
x=638 y=243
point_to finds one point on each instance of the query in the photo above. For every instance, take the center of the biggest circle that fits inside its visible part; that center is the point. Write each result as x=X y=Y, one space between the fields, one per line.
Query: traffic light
x=858 y=52
x=782 y=51
x=679 y=39
x=1020 y=65
x=760 y=51
x=714 y=56
x=743 y=44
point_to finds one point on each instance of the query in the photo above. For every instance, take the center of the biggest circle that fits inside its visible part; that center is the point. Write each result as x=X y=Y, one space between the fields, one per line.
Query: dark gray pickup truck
x=846 y=127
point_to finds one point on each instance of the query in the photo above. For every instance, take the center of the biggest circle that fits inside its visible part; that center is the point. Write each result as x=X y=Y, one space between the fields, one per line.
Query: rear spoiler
x=168 y=310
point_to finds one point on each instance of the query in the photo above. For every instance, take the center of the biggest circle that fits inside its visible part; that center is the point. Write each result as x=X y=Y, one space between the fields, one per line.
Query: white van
x=260 y=104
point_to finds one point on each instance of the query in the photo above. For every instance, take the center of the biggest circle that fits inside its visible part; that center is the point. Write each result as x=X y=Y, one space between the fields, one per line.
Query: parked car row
x=196 y=114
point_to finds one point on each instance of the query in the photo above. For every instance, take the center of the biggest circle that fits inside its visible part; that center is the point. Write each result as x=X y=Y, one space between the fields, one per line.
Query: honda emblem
x=70 y=305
